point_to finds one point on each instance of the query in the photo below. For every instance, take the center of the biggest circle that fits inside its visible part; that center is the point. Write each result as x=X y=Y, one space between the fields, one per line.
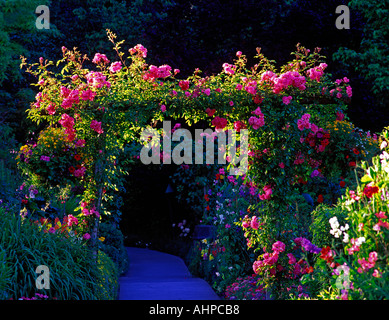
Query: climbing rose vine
x=100 y=106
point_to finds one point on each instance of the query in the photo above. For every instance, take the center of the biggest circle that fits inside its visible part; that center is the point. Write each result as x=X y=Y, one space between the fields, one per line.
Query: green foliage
x=107 y=281
x=112 y=245
x=129 y=20
x=15 y=16
x=73 y=271
x=359 y=241
x=320 y=227
x=9 y=176
x=371 y=60
x=5 y=274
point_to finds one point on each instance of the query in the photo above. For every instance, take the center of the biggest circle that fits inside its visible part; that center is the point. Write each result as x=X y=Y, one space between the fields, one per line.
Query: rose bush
x=292 y=116
x=355 y=261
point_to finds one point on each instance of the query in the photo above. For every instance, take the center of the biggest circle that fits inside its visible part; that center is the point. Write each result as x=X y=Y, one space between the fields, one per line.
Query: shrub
x=73 y=270
x=355 y=260
x=111 y=243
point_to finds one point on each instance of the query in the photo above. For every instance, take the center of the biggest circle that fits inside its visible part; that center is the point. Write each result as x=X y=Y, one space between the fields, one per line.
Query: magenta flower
x=97 y=80
x=141 y=50
x=268 y=192
x=286 y=100
x=88 y=95
x=79 y=172
x=45 y=158
x=96 y=125
x=99 y=57
x=229 y=68
x=256 y=123
x=207 y=91
x=71 y=220
x=80 y=143
x=219 y=123
x=51 y=109
x=254 y=223
x=115 y=66
x=278 y=246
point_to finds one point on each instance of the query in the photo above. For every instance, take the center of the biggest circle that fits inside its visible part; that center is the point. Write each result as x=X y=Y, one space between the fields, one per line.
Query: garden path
x=154 y=275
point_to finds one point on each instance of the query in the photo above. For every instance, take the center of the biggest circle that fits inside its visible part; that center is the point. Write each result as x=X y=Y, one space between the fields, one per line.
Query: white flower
x=334 y=223
x=360 y=241
x=336 y=233
x=345 y=238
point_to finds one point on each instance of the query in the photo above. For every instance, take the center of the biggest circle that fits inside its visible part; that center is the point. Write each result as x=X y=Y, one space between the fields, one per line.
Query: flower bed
x=302 y=152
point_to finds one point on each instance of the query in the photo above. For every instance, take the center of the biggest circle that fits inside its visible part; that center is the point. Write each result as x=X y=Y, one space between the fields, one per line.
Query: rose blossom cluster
x=154 y=72
x=97 y=80
x=229 y=68
x=258 y=120
x=139 y=49
x=115 y=67
x=303 y=123
x=282 y=82
x=270 y=259
x=317 y=72
x=268 y=192
x=318 y=138
x=96 y=126
x=88 y=212
x=68 y=123
x=219 y=123
x=70 y=97
x=100 y=58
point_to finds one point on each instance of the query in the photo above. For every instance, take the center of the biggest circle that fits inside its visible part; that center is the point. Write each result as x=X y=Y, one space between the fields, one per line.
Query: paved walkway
x=155 y=275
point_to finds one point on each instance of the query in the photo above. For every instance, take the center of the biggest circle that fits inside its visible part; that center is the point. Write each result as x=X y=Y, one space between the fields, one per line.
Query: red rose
x=24 y=201
x=71 y=169
x=257 y=99
x=342 y=184
x=210 y=112
x=326 y=254
x=77 y=157
x=184 y=85
x=320 y=198
x=219 y=123
x=352 y=163
x=370 y=190
x=356 y=151
x=208 y=208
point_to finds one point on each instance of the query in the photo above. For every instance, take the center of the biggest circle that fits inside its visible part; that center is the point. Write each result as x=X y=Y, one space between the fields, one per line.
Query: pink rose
x=100 y=58
x=286 y=100
x=254 y=223
x=278 y=246
x=86 y=236
x=115 y=67
x=96 y=125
